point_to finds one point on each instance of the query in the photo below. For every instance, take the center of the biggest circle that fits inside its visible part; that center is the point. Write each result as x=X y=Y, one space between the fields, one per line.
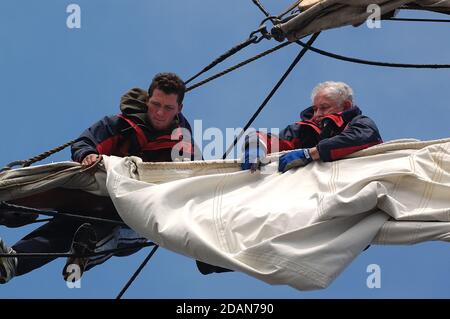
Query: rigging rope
x=376 y=63
x=267 y=99
x=100 y=253
x=261 y=8
x=417 y=20
x=136 y=273
x=252 y=39
x=237 y=66
x=52 y=213
x=39 y=157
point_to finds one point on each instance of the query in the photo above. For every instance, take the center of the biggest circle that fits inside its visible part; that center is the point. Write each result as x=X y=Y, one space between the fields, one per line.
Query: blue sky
x=56 y=81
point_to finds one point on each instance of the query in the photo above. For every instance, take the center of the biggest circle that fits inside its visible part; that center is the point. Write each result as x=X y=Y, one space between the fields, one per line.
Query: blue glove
x=252 y=158
x=294 y=159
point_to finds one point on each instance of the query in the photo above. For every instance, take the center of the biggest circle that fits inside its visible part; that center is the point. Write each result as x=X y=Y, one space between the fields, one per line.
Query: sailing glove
x=293 y=159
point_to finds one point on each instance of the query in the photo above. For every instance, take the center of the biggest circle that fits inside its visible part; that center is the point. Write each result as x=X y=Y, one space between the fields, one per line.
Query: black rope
x=266 y=100
x=417 y=20
x=100 y=253
x=39 y=157
x=261 y=7
x=252 y=39
x=224 y=56
x=376 y=63
x=237 y=66
x=53 y=213
x=136 y=273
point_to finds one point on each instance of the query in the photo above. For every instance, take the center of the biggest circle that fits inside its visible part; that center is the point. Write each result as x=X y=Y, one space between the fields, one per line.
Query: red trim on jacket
x=275 y=144
x=161 y=142
x=336 y=118
x=142 y=139
x=107 y=146
x=342 y=152
x=311 y=124
x=283 y=145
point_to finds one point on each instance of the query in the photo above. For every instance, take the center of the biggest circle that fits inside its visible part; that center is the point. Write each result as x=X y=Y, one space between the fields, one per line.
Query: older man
x=330 y=129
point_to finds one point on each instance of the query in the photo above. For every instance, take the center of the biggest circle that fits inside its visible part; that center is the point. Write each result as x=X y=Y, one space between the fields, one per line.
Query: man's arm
x=100 y=138
x=360 y=133
x=288 y=139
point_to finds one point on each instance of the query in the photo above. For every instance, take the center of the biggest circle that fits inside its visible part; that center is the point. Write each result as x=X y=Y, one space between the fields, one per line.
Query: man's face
x=162 y=109
x=324 y=105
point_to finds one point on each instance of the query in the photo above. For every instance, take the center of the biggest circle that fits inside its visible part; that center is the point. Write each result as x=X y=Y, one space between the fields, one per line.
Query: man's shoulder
x=363 y=119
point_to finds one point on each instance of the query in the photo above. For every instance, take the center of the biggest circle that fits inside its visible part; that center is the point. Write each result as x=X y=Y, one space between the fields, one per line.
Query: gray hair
x=338 y=91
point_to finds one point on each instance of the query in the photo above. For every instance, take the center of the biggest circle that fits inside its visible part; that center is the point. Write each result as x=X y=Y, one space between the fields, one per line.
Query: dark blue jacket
x=335 y=137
